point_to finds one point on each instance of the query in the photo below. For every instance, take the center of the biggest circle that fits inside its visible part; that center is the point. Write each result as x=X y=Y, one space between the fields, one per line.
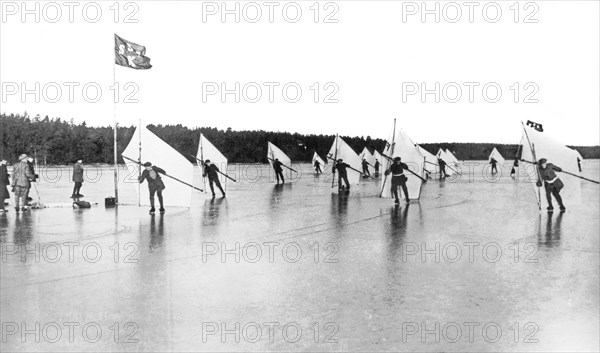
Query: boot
x=152 y=210
x=162 y=210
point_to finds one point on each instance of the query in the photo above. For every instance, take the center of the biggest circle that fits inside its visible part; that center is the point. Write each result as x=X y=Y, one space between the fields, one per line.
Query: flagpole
x=115 y=156
x=139 y=160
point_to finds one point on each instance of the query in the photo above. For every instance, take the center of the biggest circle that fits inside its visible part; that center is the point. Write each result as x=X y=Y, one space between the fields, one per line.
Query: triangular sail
x=366 y=154
x=160 y=154
x=451 y=157
x=441 y=154
x=429 y=159
x=497 y=156
x=273 y=152
x=345 y=152
x=543 y=146
x=315 y=158
x=377 y=157
x=402 y=146
x=206 y=150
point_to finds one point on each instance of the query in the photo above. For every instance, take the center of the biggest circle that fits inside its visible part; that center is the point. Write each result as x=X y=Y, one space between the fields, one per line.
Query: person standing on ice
x=21 y=182
x=442 y=165
x=4 y=180
x=77 y=178
x=35 y=176
x=318 y=167
x=376 y=167
x=155 y=184
x=398 y=178
x=493 y=162
x=365 y=167
x=210 y=171
x=340 y=166
x=552 y=183
x=579 y=163
x=514 y=168
x=278 y=170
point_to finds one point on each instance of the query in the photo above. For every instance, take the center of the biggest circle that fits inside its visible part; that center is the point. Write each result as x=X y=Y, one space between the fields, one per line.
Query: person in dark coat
x=579 y=163
x=210 y=171
x=494 y=162
x=77 y=178
x=155 y=184
x=376 y=166
x=278 y=170
x=21 y=182
x=442 y=165
x=365 y=167
x=514 y=168
x=31 y=167
x=398 y=178
x=341 y=167
x=318 y=167
x=552 y=182
x=4 y=181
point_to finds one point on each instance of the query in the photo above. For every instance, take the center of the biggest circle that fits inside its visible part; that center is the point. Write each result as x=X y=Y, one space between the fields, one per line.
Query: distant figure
x=442 y=165
x=579 y=163
x=514 y=168
x=21 y=182
x=155 y=184
x=398 y=178
x=318 y=167
x=31 y=167
x=278 y=170
x=365 y=167
x=377 y=167
x=340 y=166
x=210 y=171
x=77 y=178
x=552 y=183
x=4 y=181
x=493 y=162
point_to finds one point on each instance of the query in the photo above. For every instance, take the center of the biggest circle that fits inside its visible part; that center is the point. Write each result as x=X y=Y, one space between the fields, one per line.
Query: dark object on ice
x=110 y=202
x=579 y=163
x=81 y=204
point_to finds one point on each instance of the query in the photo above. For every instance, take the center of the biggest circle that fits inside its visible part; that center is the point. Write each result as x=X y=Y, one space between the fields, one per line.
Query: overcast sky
x=368 y=61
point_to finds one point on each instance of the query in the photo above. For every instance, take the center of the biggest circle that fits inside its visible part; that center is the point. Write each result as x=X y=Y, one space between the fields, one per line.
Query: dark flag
x=131 y=55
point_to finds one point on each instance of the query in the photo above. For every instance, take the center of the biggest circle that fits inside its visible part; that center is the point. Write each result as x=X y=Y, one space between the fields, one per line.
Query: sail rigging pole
x=139 y=160
x=539 y=198
x=392 y=153
x=165 y=174
x=202 y=166
x=334 y=160
x=115 y=155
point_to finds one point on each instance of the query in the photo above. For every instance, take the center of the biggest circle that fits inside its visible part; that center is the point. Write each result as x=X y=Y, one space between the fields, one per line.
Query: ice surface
x=360 y=279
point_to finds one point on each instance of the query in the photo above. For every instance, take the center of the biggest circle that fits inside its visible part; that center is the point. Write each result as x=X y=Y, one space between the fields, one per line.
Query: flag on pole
x=131 y=55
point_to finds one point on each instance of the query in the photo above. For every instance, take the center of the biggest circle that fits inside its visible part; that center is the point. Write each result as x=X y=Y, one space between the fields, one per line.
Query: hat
x=340 y=160
x=22 y=157
x=397 y=159
x=207 y=161
x=147 y=164
x=543 y=160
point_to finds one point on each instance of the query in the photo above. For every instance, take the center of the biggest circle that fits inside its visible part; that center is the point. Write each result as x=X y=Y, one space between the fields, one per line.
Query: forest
x=56 y=141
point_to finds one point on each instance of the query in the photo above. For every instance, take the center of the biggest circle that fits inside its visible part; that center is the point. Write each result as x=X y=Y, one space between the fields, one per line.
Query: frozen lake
x=474 y=266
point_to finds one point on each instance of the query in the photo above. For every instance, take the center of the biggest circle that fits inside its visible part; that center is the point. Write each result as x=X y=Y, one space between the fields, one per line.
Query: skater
x=278 y=170
x=579 y=163
x=376 y=167
x=155 y=184
x=77 y=178
x=493 y=162
x=342 y=174
x=552 y=183
x=365 y=167
x=30 y=165
x=442 y=165
x=21 y=183
x=398 y=178
x=514 y=168
x=4 y=180
x=210 y=171
x=318 y=167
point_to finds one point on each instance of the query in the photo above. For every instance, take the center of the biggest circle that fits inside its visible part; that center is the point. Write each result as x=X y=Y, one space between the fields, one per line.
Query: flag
x=131 y=55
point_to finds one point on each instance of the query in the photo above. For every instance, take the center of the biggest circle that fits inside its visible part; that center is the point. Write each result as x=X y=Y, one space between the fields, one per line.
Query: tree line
x=56 y=141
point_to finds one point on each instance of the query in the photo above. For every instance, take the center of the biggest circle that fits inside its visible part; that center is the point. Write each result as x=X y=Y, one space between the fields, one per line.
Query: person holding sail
x=442 y=165
x=376 y=167
x=552 y=183
x=398 y=178
x=155 y=184
x=318 y=167
x=340 y=166
x=494 y=162
x=210 y=171
x=278 y=170
x=365 y=167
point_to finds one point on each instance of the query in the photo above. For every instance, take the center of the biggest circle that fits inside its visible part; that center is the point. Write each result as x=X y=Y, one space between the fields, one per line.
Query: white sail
x=273 y=152
x=377 y=157
x=366 y=154
x=341 y=150
x=206 y=150
x=430 y=159
x=538 y=145
x=451 y=157
x=315 y=158
x=497 y=156
x=160 y=154
x=402 y=146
